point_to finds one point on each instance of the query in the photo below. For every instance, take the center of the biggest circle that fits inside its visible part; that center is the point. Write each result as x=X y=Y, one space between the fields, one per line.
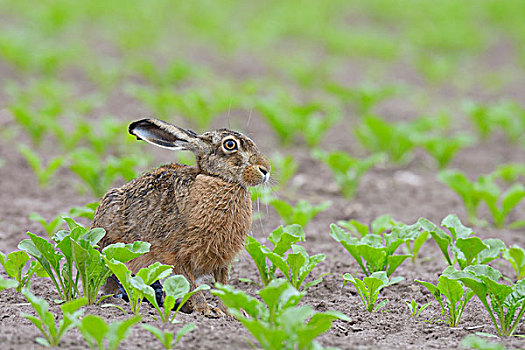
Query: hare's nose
x=263 y=170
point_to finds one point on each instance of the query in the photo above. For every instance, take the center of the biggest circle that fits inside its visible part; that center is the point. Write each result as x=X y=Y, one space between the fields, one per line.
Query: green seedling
x=381 y=224
x=7 y=283
x=369 y=287
x=82 y=261
x=436 y=68
x=347 y=170
x=36 y=123
x=443 y=148
x=301 y=214
x=14 y=265
x=515 y=255
x=166 y=337
x=89 y=262
x=290 y=119
x=40 y=105
x=172 y=74
x=174 y=287
x=87 y=211
x=283 y=169
x=295 y=266
x=44 y=173
x=415 y=308
x=373 y=252
x=395 y=140
x=261 y=194
x=467 y=190
x=416 y=238
x=50 y=258
x=504 y=303
x=107 y=135
x=510 y=172
x=45 y=321
x=99 y=175
x=52 y=226
x=385 y=224
x=199 y=105
x=451 y=296
x=474 y=342
x=95 y=330
x=507 y=116
x=138 y=286
x=277 y=322
x=499 y=202
x=101 y=137
x=364 y=97
x=466 y=248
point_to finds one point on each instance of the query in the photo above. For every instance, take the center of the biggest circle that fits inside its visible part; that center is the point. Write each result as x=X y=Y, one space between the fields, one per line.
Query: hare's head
x=224 y=153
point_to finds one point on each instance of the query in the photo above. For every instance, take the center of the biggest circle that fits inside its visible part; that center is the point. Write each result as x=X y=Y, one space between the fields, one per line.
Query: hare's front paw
x=209 y=311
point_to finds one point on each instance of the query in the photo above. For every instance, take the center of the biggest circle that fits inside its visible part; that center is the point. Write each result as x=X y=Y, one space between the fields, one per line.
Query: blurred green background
x=74 y=73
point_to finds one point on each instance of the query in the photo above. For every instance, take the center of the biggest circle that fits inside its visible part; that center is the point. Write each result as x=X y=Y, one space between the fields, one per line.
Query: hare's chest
x=218 y=215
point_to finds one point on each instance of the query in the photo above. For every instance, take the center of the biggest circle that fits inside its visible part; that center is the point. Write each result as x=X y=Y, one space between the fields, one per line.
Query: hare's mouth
x=256 y=175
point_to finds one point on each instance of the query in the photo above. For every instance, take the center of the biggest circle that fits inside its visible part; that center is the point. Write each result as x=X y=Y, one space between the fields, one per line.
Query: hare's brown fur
x=195 y=220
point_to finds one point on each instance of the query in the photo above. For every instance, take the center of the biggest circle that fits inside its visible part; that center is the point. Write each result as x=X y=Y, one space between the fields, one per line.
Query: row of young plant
x=46 y=39
x=501 y=190
x=78 y=270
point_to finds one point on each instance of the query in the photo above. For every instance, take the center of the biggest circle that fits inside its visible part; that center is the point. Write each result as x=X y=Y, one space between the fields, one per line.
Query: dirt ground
x=406 y=193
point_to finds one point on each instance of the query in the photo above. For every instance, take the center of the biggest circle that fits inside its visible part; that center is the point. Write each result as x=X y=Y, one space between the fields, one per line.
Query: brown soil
x=407 y=194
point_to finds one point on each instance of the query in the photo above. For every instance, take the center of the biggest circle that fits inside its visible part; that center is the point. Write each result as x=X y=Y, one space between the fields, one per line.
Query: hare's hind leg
x=198 y=301
x=221 y=276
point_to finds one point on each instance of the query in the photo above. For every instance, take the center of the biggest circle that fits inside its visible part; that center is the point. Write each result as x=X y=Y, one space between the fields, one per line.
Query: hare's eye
x=230 y=145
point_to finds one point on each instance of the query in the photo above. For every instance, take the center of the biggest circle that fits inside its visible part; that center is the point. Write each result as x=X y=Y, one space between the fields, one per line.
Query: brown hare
x=195 y=217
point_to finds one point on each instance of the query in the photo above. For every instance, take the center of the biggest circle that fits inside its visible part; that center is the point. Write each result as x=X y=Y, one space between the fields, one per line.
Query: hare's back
x=138 y=209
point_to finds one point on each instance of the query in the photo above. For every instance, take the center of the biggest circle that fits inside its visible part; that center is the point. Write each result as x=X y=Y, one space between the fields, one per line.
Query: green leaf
x=283 y=209
x=279 y=262
x=73 y=305
x=119 y=330
x=94 y=235
x=376 y=258
x=236 y=299
x=255 y=249
x=443 y=241
x=383 y=223
x=475 y=342
x=154 y=272
x=354 y=226
x=516 y=257
x=176 y=286
x=14 y=263
x=183 y=331
x=283 y=238
x=394 y=261
x=495 y=248
x=451 y=289
x=158 y=333
x=456 y=228
x=126 y=252
x=472 y=282
x=317 y=325
x=470 y=247
x=431 y=288
x=376 y=281
x=7 y=283
x=511 y=198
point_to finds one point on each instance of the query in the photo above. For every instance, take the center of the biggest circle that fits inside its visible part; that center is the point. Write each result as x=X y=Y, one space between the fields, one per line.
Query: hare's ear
x=166 y=135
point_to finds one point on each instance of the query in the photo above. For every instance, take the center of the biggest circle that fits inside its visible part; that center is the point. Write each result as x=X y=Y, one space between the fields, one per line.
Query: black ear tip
x=135 y=124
